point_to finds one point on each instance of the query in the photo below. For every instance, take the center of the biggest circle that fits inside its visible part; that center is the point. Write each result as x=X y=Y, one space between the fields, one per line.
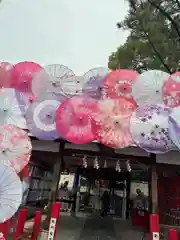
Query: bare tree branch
x=166 y=15
x=149 y=39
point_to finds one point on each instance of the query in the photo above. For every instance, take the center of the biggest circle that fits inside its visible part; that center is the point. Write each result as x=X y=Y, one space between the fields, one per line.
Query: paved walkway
x=97 y=228
x=70 y=227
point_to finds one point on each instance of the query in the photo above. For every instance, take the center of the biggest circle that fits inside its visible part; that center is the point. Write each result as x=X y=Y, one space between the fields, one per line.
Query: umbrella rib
x=5 y=190
x=2 y=174
x=9 y=184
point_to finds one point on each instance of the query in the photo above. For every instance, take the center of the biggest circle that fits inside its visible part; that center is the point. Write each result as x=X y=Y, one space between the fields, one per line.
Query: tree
x=153 y=42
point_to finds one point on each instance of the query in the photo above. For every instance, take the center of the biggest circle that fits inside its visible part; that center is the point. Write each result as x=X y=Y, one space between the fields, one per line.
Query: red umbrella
x=5 y=79
x=111 y=124
x=73 y=119
x=22 y=74
x=171 y=90
x=118 y=83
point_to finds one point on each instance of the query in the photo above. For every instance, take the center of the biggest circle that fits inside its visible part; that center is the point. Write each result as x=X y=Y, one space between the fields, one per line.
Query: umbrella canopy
x=15 y=147
x=22 y=74
x=111 y=123
x=5 y=76
x=94 y=82
x=73 y=119
x=24 y=100
x=118 y=83
x=57 y=74
x=73 y=86
x=174 y=126
x=171 y=90
x=149 y=128
x=10 y=193
x=148 y=87
x=10 y=111
x=41 y=116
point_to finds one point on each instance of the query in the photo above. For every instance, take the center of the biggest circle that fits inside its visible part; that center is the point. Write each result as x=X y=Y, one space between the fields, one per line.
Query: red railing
x=15 y=227
x=155 y=229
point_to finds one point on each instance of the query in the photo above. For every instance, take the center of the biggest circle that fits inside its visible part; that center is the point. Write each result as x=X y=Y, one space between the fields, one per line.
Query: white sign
x=52 y=228
x=156 y=236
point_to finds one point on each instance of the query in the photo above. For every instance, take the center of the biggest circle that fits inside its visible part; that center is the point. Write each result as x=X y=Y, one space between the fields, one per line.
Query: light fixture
x=105 y=164
x=128 y=166
x=118 y=167
x=96 y=164
x=85 y=162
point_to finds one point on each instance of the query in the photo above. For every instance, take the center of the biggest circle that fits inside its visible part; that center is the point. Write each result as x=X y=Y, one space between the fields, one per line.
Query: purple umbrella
x=24 y=100
x=94 y=82
x=149 y=128
x=41 y=116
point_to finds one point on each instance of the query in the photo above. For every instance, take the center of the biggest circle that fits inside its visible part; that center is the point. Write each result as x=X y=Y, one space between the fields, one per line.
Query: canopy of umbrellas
x=116 y=108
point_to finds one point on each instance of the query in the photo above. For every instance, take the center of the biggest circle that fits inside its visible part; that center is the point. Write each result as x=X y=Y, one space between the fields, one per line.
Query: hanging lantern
x=128 y=166
x=85 y=162
x=96 y=164
x=118 y=167
x=105 y=164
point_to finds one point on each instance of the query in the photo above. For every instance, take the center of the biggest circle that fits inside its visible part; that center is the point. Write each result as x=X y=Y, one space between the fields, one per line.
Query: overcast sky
x=78 y=33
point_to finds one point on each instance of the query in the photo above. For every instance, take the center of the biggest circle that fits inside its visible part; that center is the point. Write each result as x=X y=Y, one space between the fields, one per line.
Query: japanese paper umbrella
x=41 y=116
x=148 y=87
x=94 y=82
x=73 y=119
x=5 y=76
x=10 y=112
x=24 y=100
x=111 y=124
x=73 y=86
x=118 y=83
x=174 y=126
x=10 y=193
x=149 y=128
x=15 y=147
x=22 y=74
x=55 y=75
x=171 y=90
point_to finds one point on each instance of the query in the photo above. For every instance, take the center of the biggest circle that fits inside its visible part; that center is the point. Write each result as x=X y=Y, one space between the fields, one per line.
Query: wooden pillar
x=153 y=185
x=55 y=180
x=128 y=188
x=57 y=171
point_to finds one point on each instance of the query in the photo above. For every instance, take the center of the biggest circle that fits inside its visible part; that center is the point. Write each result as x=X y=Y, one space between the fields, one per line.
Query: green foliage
x=154 y=40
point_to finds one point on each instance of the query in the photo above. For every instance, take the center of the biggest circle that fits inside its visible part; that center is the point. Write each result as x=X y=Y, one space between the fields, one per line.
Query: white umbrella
x=15 y=147
x=10 y=112
x=148 y=87
x=50 y=79
x=10 y=193
x=72 y=86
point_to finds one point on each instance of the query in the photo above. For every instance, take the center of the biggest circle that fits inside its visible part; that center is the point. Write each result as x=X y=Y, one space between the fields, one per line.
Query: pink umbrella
x=111 y=124
x=22 y=74
x=118 y=83
x=73 y=119
x=15 y=147
x=5 y=78
x=171 y=90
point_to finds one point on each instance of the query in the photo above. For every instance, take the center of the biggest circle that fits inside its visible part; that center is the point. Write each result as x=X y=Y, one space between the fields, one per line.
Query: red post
x=21 y=221
x=4 y=228
x=173 y=234
x=54 y=221
x=154 y=227
x=37 y=225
